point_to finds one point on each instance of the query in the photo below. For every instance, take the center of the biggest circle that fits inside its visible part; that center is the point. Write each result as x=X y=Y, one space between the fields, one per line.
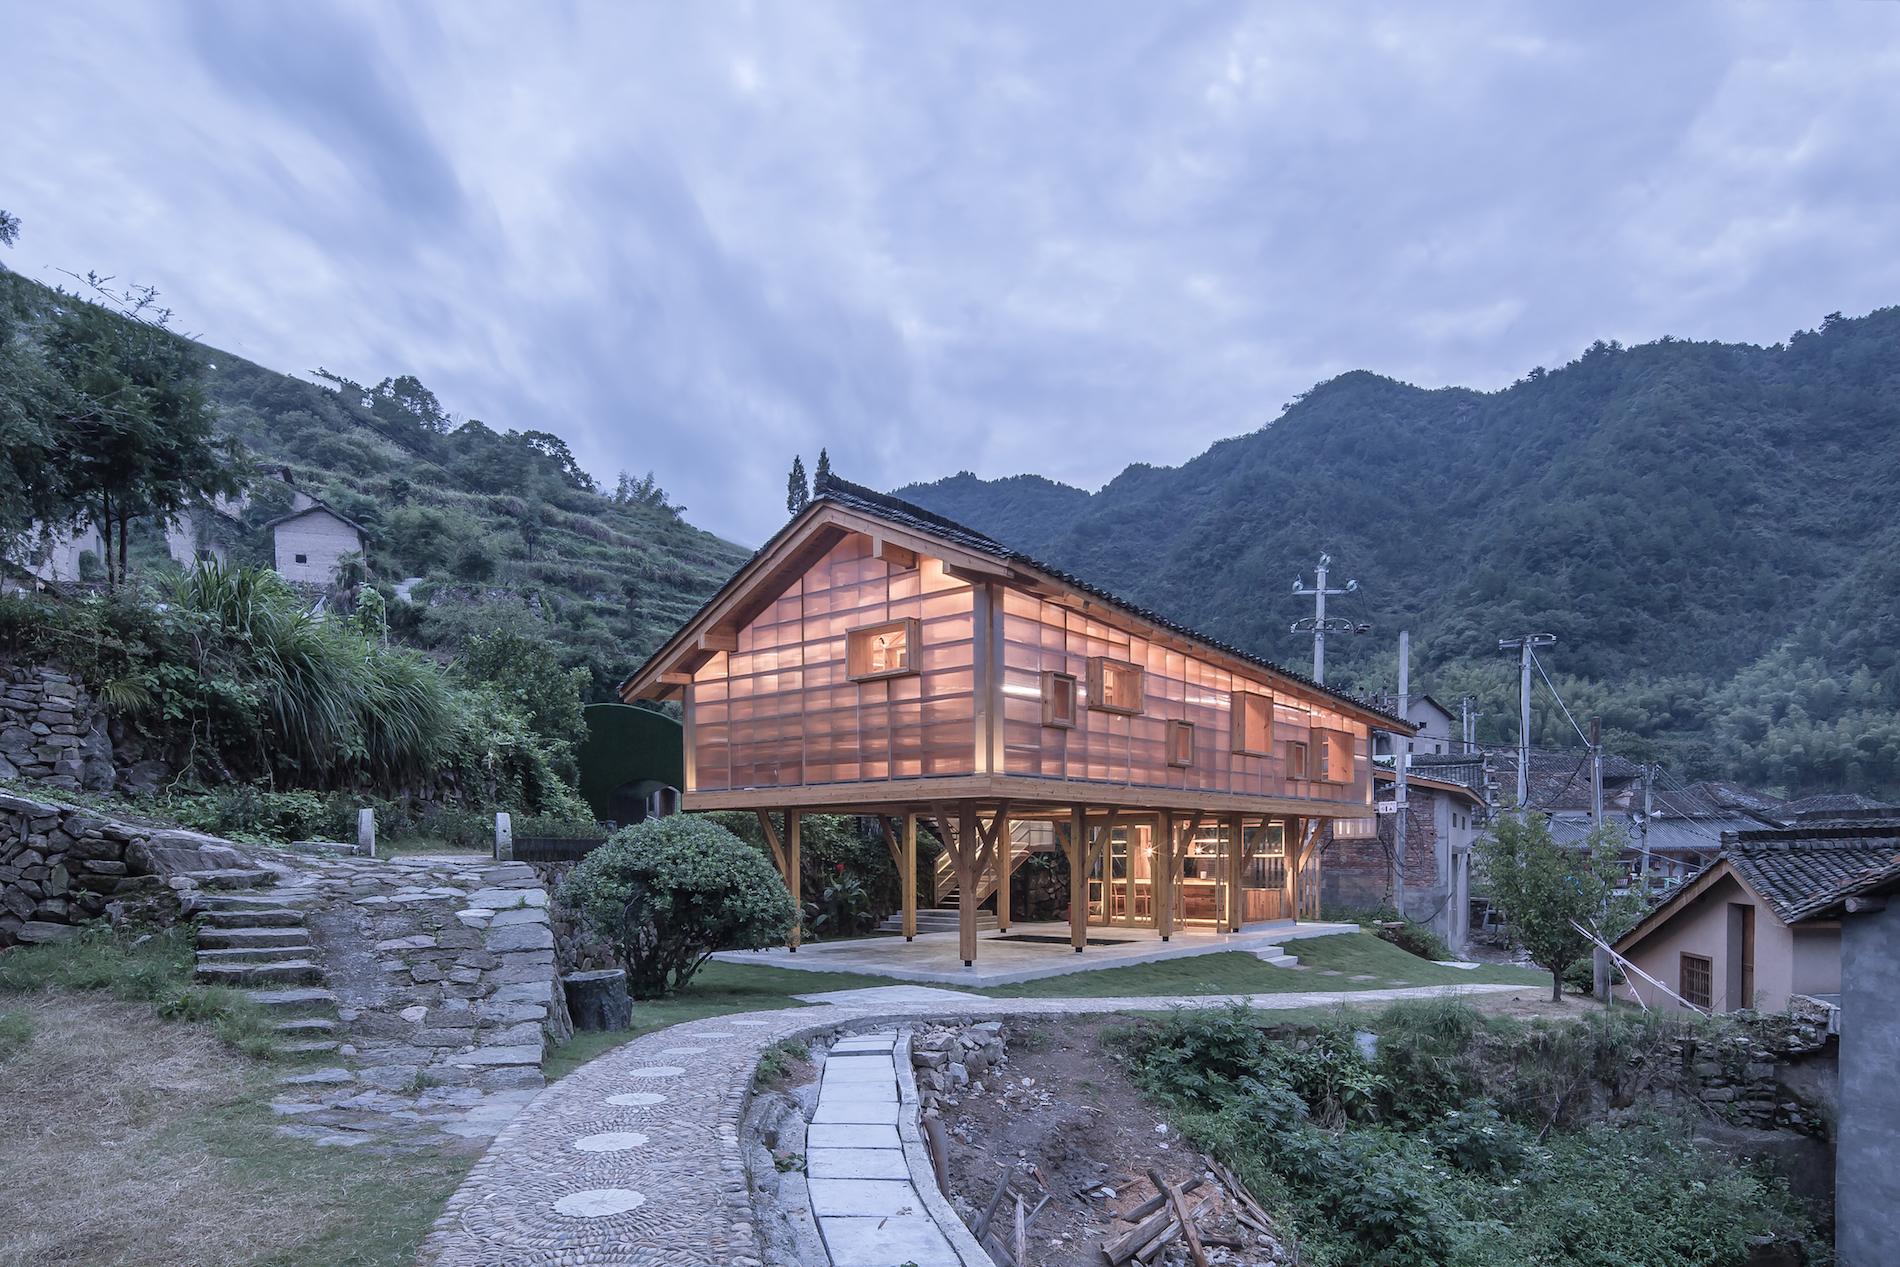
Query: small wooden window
x=1697 y=980
x=1180 y=743
x=1253 y=723
x=1296 y=760
x=1335 y=756
x=882 y=651
x=1058 y=699
x=303 y=558
x=1115 y=686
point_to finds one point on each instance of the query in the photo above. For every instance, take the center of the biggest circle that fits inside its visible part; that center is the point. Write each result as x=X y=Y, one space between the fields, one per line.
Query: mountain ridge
x=1683 y=514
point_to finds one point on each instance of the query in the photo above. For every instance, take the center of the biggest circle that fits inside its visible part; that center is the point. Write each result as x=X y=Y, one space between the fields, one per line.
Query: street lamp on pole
x=1319 y=623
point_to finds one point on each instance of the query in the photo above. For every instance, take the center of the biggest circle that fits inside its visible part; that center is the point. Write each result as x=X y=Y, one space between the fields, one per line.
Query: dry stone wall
x=61 y=866
x=52 y=732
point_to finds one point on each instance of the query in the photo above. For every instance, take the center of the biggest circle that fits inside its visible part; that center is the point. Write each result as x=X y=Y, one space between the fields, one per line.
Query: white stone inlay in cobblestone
x=598 y=1203
x=656 y=1071
x=636 y=1099
x=610 y=1142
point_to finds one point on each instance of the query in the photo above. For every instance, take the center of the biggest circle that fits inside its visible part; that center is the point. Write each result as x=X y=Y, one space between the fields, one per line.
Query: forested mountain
x=1710 y=529
x=502 y=524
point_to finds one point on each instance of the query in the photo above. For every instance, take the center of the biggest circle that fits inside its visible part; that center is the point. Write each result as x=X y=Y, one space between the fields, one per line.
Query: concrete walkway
x=1029 y=952
x=634 y=1159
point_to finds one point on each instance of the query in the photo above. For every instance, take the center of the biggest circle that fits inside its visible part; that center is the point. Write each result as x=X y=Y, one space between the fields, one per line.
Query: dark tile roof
x=1720 y=796
x=902 y=513
x=1878 y=878
x=1829 y=805
x=1792 y=867
x=1560 y=780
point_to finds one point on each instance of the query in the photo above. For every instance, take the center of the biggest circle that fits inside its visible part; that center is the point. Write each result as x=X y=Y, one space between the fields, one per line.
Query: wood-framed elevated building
x=874 y=658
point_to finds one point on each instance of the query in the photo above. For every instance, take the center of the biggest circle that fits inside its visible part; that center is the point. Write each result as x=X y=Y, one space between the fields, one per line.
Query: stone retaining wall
x=61 y=866
x=53 y=732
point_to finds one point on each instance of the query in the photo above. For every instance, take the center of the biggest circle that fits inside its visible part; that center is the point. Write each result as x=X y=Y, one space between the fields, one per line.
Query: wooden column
x=1232 y=913
x=909 y=877
x=1002 y=854
x=1078 y=878
x=792 y=878
x=1290 y=895
x=1163 y=880
x=968 y=835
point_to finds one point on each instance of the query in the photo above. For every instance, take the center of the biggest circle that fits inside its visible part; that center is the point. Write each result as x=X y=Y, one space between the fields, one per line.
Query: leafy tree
x=9 y=228
x=532 y=524
x=667 y=893
x=138 y=432
x=555 y=449
x=797 y=490
x=515 y=659
x=1542 y=887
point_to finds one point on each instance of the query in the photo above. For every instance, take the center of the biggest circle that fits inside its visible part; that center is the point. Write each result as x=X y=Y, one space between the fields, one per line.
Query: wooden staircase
x=943 y=916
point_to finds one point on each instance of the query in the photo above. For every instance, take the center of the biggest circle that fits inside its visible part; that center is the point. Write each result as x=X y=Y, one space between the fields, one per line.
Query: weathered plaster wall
x=1702 y=928
x=1867 y=1157
x=321 y=538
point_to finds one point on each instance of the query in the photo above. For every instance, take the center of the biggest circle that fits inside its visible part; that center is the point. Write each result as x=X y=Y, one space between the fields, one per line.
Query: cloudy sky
x=1056 y=238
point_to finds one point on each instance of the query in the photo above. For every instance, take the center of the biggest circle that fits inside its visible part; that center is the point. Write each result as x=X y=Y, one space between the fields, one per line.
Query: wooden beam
x=772 y=843
x=1290 y=835
x=676 y=679
x=907 y=874
x=1234 y=914
x=890 y=843
x=792 y=866
x=719 y=640
x=1078 y=878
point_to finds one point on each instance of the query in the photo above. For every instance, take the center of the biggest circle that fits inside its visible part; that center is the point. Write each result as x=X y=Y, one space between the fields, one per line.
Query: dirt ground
x=1064 y=1120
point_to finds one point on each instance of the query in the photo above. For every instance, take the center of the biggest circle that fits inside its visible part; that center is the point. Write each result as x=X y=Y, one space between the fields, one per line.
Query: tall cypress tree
x=797 y=491
x=823 y=473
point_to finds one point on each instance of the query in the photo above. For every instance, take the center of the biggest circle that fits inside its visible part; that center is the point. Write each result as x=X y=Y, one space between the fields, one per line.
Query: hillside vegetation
x=1707 y=527
x=489 y=517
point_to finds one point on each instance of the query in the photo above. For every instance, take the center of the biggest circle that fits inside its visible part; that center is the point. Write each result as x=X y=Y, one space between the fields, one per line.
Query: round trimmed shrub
x=668 y=892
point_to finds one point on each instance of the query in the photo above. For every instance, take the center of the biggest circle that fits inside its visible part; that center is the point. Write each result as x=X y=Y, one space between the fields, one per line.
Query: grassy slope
x=719 y=988
x=170 y=1120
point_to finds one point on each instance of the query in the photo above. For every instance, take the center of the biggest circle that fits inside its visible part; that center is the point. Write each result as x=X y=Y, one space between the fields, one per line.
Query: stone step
x=306 y=1025
x=282 y=972
x=1276 y=956
x=232 y=938
x=934 y=920
x=290 y=1002
x=309 y=1048
x=255 y=954
x=237 y=901
x=232 y=878
x=253 y=917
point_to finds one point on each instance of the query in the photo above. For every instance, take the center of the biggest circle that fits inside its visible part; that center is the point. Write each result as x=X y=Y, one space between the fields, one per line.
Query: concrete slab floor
x=856 y=1112
x=864 y=1198
x=856 y=1163
x=851 y=1135
x=935 y=958
x=879 y=1242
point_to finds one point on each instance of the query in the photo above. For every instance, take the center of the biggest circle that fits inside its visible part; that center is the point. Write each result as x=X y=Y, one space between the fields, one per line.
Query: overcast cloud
x=700 y=238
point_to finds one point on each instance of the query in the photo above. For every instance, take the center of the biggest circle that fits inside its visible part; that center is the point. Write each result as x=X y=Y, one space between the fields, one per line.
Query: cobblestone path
x=634 y=1159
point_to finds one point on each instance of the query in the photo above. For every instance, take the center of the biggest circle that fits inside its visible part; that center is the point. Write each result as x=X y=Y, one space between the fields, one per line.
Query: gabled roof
x=317 y=507
x=1829 y=805
x=831 y=492
x=1878 y=879
x=1797 y=871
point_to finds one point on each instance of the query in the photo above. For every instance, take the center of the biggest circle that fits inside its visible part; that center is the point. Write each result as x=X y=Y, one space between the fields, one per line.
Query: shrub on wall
x=667 y=893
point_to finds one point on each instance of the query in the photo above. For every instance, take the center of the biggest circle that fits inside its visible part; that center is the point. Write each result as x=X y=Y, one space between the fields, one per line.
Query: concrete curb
x=923 y=1175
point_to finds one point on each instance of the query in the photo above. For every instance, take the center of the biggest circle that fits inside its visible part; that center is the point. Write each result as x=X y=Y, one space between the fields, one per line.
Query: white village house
x=309 y=544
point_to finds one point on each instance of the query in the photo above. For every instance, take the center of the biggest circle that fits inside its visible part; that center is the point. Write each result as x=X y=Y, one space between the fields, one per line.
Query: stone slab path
x=634 y=1159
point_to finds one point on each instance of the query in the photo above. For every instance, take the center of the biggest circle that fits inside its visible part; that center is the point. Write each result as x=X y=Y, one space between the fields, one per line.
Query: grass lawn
x=1326 y=963
x=135 y=1107
x=718 y=989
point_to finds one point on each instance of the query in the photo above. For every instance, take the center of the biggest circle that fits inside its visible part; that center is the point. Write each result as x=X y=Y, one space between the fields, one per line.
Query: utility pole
x=1401 y=759
x=1523 y=647
x=1319 y=623
x=1596 y=771
x=1649 y=777
x=1600 y=961
x=1469 y=721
